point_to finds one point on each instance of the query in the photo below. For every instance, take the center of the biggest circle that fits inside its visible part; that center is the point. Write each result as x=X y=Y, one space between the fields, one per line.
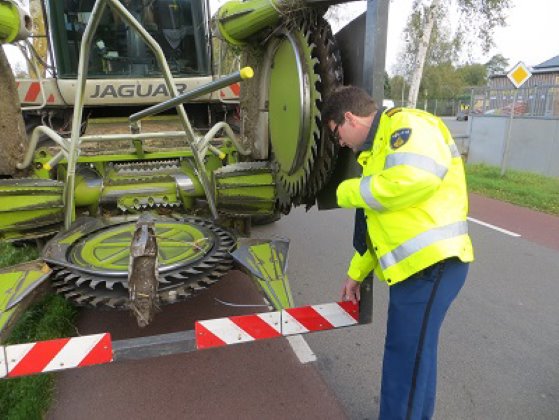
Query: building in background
x=544 y=74
x=538 y=96
x=529 y=141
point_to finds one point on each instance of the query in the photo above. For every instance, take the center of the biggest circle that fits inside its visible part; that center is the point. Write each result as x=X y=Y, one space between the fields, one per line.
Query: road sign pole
x=504 y=159
x=518 y=75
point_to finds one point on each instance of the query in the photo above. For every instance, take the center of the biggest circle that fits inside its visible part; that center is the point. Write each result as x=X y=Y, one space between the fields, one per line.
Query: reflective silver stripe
x=421 y=241
x=367 y=195
x=454 y=152
x=417 y=161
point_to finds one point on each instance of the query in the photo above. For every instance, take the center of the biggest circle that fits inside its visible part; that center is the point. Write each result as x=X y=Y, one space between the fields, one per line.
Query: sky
x=531 y=34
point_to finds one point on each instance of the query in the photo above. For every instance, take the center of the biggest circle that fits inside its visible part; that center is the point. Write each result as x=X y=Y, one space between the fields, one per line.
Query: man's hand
x=351 y=290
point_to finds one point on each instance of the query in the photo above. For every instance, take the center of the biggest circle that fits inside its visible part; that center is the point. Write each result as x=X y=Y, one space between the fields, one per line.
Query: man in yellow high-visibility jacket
x=411 y=210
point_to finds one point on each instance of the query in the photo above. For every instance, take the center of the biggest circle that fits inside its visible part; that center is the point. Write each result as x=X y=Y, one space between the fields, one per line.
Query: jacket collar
x=372 y=131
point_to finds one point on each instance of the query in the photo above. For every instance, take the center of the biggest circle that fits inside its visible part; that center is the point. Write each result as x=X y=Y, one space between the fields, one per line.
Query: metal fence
x=531 y=102
x=534 y=101
x=439 y=107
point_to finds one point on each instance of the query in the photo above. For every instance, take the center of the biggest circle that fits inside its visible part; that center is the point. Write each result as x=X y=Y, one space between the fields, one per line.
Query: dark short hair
x=344 y=99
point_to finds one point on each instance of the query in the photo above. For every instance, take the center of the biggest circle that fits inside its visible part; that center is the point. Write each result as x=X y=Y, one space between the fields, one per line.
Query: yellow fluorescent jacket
x=413 y=190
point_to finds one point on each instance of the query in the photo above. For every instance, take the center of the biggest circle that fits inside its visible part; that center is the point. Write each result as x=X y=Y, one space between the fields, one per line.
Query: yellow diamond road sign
x=519 y=74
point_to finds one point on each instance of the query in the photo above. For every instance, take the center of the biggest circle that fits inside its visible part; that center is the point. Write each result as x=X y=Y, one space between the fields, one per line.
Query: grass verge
x=10 y=254
x=521 y=188
x=53 y=317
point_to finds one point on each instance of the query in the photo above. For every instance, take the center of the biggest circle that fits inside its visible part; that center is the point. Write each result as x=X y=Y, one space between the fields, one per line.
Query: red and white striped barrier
x=67 y=353
x=47 y=356
x=240 y=329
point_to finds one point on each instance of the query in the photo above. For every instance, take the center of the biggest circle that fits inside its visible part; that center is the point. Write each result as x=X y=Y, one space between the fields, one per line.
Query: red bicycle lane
x=532 y=225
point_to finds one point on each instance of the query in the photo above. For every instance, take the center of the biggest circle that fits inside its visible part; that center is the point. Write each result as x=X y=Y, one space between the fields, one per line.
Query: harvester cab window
x=179 y=26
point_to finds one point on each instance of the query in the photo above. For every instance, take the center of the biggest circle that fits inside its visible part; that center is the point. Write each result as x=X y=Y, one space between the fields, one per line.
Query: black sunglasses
x=336 y=134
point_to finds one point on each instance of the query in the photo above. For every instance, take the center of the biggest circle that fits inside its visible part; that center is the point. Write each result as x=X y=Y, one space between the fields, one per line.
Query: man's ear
x=349 y=117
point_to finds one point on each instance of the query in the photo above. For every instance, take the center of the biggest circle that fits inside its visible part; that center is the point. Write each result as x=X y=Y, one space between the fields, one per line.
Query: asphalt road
x=457 y=128
x=260 y=380
x=499 y=344
x=500 y=341
x=497 y=360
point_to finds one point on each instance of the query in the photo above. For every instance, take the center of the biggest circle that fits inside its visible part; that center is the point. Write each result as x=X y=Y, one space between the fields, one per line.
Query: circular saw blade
x=293 y=111
x=90 y=263
x=306 y=67
x=328 y=65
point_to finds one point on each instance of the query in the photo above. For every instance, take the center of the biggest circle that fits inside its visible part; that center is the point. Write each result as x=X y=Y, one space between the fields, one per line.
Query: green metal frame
x=266 y=261
x=73 y=151
x=18 y=287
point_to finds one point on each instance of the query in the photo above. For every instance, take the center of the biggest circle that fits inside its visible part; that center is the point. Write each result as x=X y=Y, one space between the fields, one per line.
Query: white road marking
x=506 y=232
x=301 y=349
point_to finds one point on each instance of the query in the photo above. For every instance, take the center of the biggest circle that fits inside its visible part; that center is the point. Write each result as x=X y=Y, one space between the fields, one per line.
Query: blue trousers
x=416 y=312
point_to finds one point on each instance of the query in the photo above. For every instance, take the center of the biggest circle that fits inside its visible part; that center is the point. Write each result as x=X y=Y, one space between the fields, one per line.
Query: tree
x=473 y=74
x=441 y=81
x=426 y=23
x=497 y=64
x=387 y=87
x=480 y=17
x=443 y=47
x=398 y=89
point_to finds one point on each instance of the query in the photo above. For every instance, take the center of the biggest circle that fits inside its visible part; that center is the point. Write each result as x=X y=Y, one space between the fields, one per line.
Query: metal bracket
x=366 y=302
x=154 y=346
x=267 y=262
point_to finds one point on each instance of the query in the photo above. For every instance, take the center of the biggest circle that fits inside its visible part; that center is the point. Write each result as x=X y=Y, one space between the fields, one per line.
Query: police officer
x=412 y=202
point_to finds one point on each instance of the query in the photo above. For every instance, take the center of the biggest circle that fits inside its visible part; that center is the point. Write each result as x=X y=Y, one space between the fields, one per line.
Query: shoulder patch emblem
x=392 y=111
x=400 y=137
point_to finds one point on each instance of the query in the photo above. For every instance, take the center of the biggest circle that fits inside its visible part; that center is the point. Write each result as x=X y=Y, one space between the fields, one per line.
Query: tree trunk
x=12 y=128
x=39 y=42
x=422 y=54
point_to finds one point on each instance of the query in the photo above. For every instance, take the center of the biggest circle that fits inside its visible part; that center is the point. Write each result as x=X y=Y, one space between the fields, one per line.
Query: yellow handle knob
x=247 y=73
